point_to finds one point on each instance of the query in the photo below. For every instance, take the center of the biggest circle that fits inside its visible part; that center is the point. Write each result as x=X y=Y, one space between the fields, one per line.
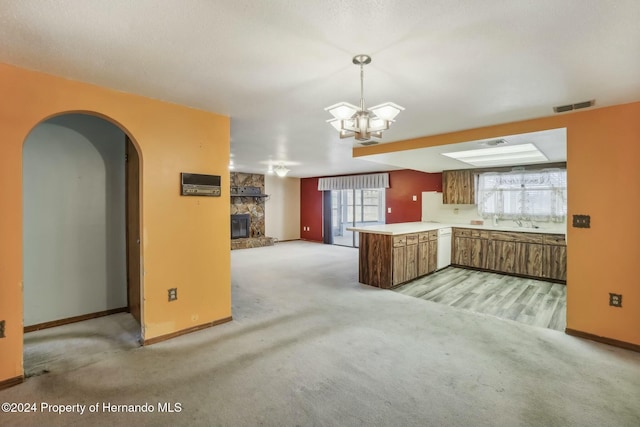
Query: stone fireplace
x=247 y=211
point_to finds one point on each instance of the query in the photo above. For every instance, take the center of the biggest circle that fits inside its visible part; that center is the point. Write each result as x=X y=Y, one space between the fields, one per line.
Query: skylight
x=500 y=156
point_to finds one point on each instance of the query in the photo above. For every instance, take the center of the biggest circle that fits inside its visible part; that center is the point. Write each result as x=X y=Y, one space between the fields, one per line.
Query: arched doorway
x=80 y=241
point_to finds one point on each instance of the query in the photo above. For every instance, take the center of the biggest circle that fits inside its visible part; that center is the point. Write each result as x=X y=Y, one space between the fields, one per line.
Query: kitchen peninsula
x=393 y=254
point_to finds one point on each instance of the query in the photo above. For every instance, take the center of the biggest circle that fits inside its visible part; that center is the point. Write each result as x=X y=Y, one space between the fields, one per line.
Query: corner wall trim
x=74 y=319
x=11 y=382
x=604 y=340
x=161 y=338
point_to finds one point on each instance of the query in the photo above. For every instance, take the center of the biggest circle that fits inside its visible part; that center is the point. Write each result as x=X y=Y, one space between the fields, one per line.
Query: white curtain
x=539 y=195
x=355 y=182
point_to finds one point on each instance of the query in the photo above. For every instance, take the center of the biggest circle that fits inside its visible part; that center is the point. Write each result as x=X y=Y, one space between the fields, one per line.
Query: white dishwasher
x=444 y=248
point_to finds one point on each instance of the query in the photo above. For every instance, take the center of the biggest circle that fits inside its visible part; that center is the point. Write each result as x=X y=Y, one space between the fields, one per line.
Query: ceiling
x=552 y=143
x=273 y=66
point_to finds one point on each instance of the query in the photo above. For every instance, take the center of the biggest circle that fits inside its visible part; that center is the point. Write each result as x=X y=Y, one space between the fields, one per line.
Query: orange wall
x=603 y=151
x=185 y=240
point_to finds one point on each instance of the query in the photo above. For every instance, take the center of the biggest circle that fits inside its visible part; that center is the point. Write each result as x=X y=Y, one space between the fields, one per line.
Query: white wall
x=282 y=210
x=434 y=210
x=73 y=218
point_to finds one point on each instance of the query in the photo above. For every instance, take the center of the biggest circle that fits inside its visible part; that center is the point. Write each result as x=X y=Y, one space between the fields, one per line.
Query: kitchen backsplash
x=434 y=210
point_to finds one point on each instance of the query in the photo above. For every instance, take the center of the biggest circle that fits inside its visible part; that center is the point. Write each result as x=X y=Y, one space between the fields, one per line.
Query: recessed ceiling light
x=500 y=156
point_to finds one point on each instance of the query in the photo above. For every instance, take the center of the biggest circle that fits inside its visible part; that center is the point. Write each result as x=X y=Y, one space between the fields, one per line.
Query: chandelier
x=361 y=123
x=281 y=170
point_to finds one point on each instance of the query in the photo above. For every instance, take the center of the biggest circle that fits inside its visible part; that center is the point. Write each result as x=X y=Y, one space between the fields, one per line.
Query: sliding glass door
x=355 y=208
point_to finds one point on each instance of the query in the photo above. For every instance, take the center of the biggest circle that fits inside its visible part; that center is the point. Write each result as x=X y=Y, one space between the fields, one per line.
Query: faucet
x=518 y=221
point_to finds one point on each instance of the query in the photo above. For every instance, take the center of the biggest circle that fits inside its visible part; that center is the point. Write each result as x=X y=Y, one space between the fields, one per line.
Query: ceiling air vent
x=369 y=143
x=493 y=142
x=576 y=106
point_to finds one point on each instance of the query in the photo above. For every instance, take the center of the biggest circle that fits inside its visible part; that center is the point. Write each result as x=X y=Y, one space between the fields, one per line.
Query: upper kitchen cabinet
x=458 y=187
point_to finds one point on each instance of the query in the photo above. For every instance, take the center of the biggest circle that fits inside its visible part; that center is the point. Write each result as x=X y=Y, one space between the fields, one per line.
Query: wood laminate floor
x=529 y=301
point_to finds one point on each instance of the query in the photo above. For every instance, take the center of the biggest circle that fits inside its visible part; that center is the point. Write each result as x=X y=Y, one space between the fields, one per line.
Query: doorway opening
x=352 y=208
x=81 y=242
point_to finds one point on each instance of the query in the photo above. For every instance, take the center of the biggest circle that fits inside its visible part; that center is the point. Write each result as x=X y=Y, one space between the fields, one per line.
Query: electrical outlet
x=615 y=300
x=173 y=294
x=388 y=210
x=581 y=221
x=1 y=328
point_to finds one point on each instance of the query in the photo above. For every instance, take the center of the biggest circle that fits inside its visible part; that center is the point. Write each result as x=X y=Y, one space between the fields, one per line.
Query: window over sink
x=535 y=195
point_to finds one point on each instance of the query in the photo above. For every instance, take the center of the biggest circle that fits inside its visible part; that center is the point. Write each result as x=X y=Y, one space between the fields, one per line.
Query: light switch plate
x=581 y=221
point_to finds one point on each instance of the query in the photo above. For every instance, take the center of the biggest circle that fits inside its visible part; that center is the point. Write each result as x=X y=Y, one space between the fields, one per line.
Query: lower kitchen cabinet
x=504 y=256
x=470 y=247
x=433 y=253
x=461 y=254
x=526 y=254
x=555 y=258
x=427 y=252
x=423 y=258
x=387 y=261
x=405 y=258
x=411 y=266
x=479 y=249
x=398 y=269
x=529 y=259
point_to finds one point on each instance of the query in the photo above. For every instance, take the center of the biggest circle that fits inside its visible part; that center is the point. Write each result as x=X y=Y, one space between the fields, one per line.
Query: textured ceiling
x=272 y=66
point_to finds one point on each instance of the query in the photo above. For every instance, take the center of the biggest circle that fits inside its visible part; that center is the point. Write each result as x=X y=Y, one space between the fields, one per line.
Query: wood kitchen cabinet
x=470 y=247
x=427 y=252
x=411 y=266
x=458 y=187
x=555 y=257
x=399 y=261
x=398 y=266
x=405 y=258
x=433 y=253
x=519 y=253
x=461 y=254
x=479 y=249
x=503 y=256
x=529 y=260
x=387 y=261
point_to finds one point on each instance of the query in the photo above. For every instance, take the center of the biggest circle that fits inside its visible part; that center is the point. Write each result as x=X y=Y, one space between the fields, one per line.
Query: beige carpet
x=309 y=346
x=72 y=346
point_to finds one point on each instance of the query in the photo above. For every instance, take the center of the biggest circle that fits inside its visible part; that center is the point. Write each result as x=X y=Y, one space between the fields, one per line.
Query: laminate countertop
x=418 y=227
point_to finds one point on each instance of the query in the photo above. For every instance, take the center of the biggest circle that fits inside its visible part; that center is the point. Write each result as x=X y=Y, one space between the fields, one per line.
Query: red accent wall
x=310 y=210
x=403 y=185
